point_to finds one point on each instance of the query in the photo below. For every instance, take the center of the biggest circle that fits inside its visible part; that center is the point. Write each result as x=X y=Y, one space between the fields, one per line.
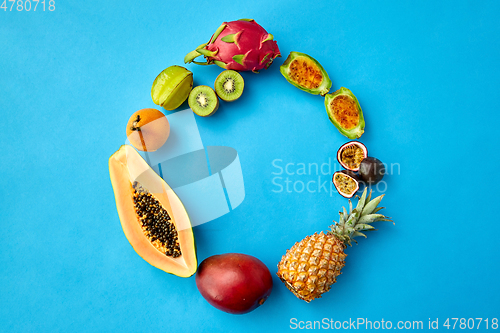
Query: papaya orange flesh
x=153 y=218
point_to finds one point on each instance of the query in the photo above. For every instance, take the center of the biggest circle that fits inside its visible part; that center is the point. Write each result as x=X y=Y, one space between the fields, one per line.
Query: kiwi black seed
x=203 y=101
x=229 y=85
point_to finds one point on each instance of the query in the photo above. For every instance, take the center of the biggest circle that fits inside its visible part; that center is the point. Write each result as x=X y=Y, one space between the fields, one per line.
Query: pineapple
x=312 y=265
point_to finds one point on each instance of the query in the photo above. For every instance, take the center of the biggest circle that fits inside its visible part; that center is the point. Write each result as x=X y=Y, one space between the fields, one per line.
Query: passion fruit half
x=371 y=170
x=346 y=182
x=351 y=154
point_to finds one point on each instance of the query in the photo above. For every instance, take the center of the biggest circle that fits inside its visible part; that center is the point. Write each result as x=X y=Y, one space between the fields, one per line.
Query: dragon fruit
x=241 y=45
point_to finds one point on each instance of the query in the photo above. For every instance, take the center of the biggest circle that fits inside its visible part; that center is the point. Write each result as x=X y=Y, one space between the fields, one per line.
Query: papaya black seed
x=155 y=221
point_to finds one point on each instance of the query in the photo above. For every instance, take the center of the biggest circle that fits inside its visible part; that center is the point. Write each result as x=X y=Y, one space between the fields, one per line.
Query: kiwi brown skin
x=238 y=85
x=209 y=92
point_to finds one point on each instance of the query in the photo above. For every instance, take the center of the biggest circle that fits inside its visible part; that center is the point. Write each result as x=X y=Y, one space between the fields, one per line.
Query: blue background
x=426 y=75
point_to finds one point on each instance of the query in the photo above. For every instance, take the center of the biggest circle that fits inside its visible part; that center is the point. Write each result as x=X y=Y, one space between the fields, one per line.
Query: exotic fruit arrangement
x=241 y=45
x=154 y=219
x=312 y=265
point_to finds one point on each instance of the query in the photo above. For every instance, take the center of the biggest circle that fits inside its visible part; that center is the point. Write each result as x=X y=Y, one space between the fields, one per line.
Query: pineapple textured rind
x=311 y=266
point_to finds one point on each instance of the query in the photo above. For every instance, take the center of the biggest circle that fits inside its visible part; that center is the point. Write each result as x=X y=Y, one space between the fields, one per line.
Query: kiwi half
x=229 y=85
x=203 y=101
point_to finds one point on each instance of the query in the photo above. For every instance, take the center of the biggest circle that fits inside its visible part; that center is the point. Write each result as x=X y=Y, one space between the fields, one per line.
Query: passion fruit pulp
x=346 y=182
x=371 y=170
x=351 y=154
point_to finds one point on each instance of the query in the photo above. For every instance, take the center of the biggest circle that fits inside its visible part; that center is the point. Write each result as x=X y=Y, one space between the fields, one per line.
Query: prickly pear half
x=306 y=73
x=241 y=45
x=345 y=113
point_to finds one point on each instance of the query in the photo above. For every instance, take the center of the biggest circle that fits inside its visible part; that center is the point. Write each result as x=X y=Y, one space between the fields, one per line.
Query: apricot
x=148 y=129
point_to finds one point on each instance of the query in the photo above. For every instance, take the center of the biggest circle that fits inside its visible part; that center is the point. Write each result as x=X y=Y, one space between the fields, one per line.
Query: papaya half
x=306 y=73
x=345 y=113
x=152 y=216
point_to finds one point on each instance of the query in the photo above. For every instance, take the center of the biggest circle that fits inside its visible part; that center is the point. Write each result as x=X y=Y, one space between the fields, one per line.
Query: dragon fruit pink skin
x=241 y=45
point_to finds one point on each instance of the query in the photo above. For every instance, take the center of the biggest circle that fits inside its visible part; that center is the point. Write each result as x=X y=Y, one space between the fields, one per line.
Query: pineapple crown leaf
x=351 y=221
x=370 y=206
x=342 y=217
x=363 y=227
x=362 y=201
x=358 y=234
x=371 y=218
x=359 y=219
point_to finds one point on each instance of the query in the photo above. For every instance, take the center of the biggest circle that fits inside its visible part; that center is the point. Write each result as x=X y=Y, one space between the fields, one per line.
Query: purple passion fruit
x=371 y=170
x=233 y=282
x=346 y=182
x=351 y=154
x=345 y=113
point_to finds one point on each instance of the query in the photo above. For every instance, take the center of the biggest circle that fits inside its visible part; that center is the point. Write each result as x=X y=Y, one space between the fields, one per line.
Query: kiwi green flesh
x=203 y=101
x=229 y=85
